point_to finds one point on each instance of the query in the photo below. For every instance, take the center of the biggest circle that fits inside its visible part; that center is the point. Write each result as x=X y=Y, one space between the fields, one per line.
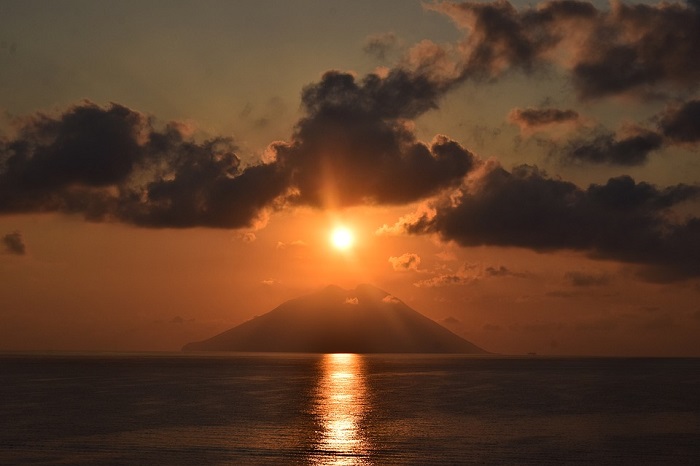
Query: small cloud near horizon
x=586 y=279
x=14 y=243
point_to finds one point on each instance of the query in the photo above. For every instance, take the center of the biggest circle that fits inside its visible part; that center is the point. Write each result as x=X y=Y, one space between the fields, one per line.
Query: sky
x=526 y=174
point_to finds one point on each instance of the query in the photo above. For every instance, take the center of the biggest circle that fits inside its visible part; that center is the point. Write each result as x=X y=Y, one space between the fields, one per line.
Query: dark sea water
x=186 y=409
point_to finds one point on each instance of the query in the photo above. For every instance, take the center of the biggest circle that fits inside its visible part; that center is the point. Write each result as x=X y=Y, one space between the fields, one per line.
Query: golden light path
x=340 y=407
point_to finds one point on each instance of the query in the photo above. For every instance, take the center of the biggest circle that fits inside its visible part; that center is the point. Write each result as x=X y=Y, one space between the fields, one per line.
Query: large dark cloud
x=630 y=48
x=499 y=37
x=88 y=145
x=621 y=220
x=112 y=163
x=637 y=46
x=355 y=144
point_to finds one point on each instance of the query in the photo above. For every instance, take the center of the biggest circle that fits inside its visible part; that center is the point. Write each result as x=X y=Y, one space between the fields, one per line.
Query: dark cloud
x=113 y=164
x=355 y=142
x=355 y=146
x=400 y=94
x=531 y=118
x=630 y=48
x=621 y=220
x=14 y=244
x=88 y=145
x=380 y=45
x=585 y=279
x=682 y=123
x=638 y=46
x=500 y=38
x=201 y=192
x=497 y=39
x=608 y=148
x=678 y=124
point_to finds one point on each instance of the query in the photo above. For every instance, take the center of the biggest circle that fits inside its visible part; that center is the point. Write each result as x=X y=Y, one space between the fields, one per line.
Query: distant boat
x=334 y=320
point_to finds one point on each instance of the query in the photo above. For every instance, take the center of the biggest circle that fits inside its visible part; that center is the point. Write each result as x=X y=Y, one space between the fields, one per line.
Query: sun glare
x=342 y=238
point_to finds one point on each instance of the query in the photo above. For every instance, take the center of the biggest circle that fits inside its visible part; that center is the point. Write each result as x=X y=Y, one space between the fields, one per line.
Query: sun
x=342 y=238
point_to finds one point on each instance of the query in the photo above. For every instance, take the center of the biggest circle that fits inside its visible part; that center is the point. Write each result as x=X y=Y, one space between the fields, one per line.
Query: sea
x=346 y=409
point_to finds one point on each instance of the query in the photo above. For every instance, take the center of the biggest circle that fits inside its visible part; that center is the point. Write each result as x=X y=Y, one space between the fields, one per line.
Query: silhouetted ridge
x=334 y=320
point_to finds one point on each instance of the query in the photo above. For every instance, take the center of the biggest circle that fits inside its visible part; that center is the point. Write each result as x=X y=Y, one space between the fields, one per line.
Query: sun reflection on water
x=340 y=408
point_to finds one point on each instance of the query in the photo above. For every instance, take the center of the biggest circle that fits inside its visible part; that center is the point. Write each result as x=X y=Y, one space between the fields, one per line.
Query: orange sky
x=166 y=177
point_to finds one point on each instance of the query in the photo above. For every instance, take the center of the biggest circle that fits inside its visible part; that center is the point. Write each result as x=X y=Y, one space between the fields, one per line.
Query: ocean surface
x=182 y=409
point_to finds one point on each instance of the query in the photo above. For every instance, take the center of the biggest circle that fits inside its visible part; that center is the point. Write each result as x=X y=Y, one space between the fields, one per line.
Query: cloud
x=500 y=271
x=445 y=279
x=380 y=45
x=681 y=124
x=355 y=142
x=634 y=47
x=584 y=279
x=354 y=146
x=293 y=244
x=467 y=274
x=620 y=220
x=496 y=38
x=405 y=262
x=628 y=49
x=677 y=125
x=608 y=148
x=531 y=119
x=112 y=164
x=397 y=229
x=247 y=237
x=352 y=301
x=14 y=244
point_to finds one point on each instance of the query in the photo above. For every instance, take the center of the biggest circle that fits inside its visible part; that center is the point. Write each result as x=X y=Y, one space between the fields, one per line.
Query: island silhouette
x=333 y=320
